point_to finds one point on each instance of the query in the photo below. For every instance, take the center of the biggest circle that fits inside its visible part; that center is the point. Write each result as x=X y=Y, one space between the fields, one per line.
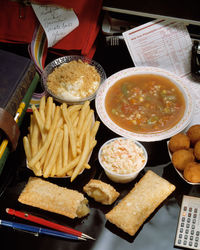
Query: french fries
x=60 y=139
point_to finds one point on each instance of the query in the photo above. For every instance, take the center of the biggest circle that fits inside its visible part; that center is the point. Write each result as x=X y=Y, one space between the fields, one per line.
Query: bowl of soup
x=145 y=103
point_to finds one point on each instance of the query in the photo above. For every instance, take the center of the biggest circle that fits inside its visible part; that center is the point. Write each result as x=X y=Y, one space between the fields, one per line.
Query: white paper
x=160 y=43
x=165 y=44
x=57 y=22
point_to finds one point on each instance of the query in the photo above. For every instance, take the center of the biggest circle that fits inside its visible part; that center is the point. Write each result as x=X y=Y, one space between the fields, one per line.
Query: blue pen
x=38 y=230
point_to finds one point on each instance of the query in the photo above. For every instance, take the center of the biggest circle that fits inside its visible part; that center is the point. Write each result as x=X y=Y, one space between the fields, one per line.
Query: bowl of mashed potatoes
x=72 y=79
x=122 y=159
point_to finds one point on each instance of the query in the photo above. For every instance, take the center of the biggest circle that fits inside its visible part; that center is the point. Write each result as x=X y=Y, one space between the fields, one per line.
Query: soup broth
x=145 y=103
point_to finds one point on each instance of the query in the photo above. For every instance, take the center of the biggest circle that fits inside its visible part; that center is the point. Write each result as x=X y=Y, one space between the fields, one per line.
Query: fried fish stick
x=54 y=155
x=85 y=127
x=94 y=129
x=83 y=157
x=35 y=137
x=74 y=108
x=38 y=118
x=82 y=116
x=71 y=165
x=59 y=164
x=72 y=134
x=47 y=142
x=48 y=112
x=27 y=148
x=65 y=146
x=51 y=149
x=42 y=107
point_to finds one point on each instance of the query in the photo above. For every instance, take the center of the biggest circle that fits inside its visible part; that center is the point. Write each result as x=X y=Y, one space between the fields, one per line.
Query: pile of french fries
x=61 y=139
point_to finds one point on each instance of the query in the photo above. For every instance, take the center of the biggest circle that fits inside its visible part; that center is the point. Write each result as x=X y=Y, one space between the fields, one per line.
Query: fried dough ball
x=181 y=158
x=179 y=141
x=197 y=150
x=194 y=133
x=192 y=172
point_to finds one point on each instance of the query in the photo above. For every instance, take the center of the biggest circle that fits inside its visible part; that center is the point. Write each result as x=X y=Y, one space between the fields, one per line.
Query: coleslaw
x=122 y=156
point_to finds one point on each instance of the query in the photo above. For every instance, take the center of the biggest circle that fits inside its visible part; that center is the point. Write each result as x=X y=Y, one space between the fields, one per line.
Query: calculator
x=188 y=228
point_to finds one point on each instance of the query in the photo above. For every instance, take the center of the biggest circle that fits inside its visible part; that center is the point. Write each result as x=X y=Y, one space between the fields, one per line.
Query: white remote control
x=188 y=229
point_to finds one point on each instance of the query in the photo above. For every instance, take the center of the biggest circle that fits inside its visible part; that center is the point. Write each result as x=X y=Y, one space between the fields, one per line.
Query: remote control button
x=187 y=225
x=180 y=236
x=193 y=226
x=189 y=214
x=194 y=221
x=195 y=210
x=186 y=237
x=196 y=238
x=182 y=224
x=181 y=230
x=185 y=242
x=190 y=243
x=186 y=231
x=191 y=237
x=183 y=219
x=192 y=232
x=195 y=216
x=195 y=244
x=190 y=209
x=188 y=220
x=179 y=242
x=184 y=208
x=197 y=233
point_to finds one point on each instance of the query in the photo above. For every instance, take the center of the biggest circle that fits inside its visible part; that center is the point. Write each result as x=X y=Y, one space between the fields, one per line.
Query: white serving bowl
x=66 y=59
x=122 y=178
x=179 y=172
x=147 y=136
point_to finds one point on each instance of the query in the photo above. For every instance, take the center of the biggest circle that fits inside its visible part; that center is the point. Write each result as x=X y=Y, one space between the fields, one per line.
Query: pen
x=47 y=223
x=38 y=230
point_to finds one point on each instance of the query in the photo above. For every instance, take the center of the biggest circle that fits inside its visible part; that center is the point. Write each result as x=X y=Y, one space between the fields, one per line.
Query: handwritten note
x=57 y=22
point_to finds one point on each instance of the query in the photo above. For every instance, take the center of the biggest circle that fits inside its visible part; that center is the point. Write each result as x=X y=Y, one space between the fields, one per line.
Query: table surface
x=158 y=231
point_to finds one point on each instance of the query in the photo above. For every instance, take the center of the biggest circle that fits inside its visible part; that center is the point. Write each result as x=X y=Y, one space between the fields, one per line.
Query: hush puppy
x=197 y=150
x=192 y=172
x=194 y=133
x=181 y=158
x=179 y=141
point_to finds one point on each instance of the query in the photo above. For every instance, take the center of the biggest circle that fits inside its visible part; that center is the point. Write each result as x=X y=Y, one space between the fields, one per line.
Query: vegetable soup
x=145 y=103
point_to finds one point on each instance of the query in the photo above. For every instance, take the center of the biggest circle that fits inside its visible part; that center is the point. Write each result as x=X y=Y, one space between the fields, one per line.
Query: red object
x=18 y=23
x=43 y=222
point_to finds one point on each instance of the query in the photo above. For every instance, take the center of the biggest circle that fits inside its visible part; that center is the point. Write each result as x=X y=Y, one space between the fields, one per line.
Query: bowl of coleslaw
x=122 y=159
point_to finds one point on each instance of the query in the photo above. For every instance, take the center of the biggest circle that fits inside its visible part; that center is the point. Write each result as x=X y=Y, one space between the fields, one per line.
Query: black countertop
x=158 y=231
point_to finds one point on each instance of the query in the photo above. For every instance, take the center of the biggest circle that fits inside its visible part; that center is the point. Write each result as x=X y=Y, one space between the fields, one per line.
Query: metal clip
x=195 y=60
x=22 y=7
x=24 y=231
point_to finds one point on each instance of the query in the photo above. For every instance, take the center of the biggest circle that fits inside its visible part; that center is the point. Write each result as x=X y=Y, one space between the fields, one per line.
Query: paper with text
x=165 y=44
x=57 y=22
x=160 y=43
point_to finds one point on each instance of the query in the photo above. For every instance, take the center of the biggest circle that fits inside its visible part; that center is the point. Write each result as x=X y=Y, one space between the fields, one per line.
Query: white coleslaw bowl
x=117 y=177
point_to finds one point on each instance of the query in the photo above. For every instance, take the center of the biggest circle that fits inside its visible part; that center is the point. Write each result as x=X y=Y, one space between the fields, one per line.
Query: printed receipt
x=164 y=44
x=57 y=22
